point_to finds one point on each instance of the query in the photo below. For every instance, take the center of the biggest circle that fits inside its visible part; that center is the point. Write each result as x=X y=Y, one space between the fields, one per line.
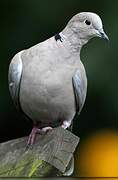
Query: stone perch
x=51 y=155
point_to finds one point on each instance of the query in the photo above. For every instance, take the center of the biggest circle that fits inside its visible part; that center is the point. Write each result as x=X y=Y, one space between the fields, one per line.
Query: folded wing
x=14 y=78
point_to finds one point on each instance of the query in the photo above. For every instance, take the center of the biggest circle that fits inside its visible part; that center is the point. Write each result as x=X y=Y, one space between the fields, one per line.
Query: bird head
x=85 y=26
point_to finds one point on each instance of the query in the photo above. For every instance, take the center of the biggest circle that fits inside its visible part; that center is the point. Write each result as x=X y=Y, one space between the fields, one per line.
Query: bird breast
x=46 y=92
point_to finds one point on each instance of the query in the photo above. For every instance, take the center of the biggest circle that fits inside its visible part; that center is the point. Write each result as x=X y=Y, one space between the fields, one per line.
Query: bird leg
x=36 y=130
x=32 y=135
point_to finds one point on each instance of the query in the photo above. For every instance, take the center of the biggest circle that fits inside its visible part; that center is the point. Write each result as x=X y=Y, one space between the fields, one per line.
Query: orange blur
x=97 y=156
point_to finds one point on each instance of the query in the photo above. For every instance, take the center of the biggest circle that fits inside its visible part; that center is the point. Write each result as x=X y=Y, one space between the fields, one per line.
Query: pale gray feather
x=14 y=78
x=79 y=90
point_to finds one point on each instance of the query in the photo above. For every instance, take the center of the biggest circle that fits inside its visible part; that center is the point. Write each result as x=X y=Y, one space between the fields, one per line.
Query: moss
x=34 y=167
x=22 y=165
x=26 y=166
x=5 y=169
x=45 y=169
x=29 y=165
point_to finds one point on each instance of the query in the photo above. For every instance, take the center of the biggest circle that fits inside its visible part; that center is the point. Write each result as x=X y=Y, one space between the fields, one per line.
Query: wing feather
x=79 y=85
x=14 y=78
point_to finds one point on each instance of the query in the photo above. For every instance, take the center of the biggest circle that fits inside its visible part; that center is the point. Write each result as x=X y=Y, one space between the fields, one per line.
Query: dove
x=48 y=82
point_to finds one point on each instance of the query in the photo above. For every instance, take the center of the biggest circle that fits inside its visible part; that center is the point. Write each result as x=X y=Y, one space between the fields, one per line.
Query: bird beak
x=103 y=35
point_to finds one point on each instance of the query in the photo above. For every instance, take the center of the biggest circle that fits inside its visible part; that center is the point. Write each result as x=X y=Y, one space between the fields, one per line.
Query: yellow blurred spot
x=98 y=156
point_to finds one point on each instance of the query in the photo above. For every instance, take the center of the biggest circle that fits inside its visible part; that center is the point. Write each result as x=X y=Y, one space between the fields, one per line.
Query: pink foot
x=32 y=136
x=35 y=130
x=66 y=124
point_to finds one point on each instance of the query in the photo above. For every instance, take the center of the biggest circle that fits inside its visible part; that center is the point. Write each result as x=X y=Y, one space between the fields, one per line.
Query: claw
x=46 y=129
x=34 y=132
x=28 y=146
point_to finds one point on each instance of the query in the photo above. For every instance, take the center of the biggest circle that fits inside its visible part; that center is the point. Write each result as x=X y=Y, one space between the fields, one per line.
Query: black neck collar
x=58 y=37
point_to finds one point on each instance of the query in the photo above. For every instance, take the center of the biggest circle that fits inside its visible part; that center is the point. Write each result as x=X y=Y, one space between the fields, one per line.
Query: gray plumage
x=49 y=79
x=14 y=78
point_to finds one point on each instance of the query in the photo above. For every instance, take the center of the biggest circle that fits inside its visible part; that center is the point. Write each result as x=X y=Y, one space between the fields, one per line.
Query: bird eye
x=88 y=22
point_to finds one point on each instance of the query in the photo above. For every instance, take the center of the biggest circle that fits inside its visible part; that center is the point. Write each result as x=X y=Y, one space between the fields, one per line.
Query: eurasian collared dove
x=48 y=81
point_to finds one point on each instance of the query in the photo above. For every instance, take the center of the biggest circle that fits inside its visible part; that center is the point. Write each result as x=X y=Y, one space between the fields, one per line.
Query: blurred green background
x=24 y=23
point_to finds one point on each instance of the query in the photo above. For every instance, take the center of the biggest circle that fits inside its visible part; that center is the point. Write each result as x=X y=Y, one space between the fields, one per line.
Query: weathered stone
x=49 y=156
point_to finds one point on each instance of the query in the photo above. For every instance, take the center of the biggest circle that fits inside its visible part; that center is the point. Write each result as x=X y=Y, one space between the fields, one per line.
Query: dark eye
x=88 y=22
